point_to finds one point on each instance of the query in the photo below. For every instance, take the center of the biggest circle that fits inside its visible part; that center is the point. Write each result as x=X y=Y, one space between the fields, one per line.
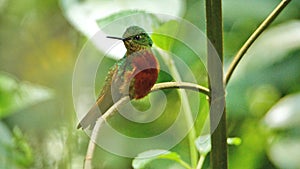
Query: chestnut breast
x=146 y=68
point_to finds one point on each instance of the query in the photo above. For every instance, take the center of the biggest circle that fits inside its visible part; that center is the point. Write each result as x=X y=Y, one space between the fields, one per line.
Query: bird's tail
x=102 y=104
x=89 y=120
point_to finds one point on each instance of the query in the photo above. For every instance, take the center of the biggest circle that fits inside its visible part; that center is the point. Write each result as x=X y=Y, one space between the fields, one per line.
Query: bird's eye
x=137 y=37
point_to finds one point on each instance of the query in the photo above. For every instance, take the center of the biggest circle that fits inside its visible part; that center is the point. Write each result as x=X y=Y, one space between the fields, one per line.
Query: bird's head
x=135 y=38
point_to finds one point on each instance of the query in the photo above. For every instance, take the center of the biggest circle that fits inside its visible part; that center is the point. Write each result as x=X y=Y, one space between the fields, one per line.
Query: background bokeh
x=39 y=45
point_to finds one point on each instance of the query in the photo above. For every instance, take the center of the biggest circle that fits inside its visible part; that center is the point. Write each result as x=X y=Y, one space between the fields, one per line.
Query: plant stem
x=201 y=161
x=218 y=126
x=254 y=36
x=186 y=108
x=184 y=164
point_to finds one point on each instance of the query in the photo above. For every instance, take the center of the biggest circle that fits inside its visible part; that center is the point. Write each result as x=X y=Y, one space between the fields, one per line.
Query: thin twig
x=254 y=36
x=109 y=112
x=181 y=85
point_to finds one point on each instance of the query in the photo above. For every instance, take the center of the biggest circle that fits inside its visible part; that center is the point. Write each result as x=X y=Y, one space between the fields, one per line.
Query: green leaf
x=139 y=17
x=145 y=158
x=19 y=95
x=15 y=151
x=84 y=14
x=164 y=35
x=23 y=153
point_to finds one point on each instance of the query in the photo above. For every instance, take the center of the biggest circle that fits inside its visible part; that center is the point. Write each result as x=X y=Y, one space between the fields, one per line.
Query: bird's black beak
x=112 y=37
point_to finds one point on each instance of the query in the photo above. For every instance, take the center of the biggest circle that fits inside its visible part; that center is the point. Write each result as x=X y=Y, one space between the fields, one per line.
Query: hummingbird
x=134 y=75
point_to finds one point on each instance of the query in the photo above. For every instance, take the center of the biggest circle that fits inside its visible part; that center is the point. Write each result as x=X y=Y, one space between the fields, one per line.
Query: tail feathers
x=100 y=107
x=89 y=120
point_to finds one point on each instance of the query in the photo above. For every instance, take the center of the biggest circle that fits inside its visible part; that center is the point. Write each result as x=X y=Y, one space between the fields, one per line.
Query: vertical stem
x=186 y=109
x=201 y=161
x=215 y=70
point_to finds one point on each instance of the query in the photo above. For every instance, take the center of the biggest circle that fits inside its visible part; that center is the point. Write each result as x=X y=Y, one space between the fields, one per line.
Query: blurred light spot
x=285 y=114
x=285 y=153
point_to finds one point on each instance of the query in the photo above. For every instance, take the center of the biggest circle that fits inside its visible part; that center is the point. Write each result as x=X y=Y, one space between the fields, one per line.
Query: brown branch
x=111 y=110
x=181 y=85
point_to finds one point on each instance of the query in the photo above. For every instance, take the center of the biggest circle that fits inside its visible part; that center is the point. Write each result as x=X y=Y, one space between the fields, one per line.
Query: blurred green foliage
x=15 y=96
x=156 y=155
x=39 y=47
